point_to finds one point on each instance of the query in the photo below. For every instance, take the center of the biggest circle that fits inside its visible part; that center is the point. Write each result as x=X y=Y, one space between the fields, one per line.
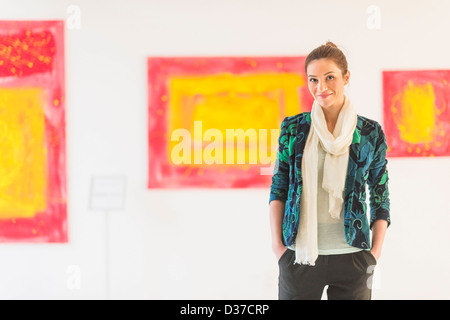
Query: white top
x=330 y=232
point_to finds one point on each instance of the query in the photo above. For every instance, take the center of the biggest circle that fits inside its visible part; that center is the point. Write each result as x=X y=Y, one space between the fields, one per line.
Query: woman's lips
x=324 y=96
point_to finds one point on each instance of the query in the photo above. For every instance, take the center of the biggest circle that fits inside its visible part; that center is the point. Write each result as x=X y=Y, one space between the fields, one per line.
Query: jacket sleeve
x=280 y=178
x=378 y=182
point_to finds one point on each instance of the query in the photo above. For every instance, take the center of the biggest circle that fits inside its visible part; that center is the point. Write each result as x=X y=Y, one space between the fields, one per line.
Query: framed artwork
x=417 y=113
x=33 y=201
x=214 y=122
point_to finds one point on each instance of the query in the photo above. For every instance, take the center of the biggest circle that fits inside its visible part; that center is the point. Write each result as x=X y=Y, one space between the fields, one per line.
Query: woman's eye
x=312 y=80
x=330 y=77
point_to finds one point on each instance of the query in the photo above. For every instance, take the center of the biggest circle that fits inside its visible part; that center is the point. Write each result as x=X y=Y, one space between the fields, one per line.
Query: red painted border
x=51 y=224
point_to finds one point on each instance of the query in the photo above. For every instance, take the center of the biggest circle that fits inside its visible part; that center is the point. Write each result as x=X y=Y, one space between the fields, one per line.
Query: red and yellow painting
x=214 y=122
x=416 y=113
x=32 y=132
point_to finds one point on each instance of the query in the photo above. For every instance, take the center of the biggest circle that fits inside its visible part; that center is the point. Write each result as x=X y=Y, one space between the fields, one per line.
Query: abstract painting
x=214 y=122
x=32 y=132
x=417 y=113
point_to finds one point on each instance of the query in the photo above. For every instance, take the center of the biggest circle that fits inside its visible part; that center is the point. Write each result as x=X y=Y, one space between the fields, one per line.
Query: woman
x=319 y=226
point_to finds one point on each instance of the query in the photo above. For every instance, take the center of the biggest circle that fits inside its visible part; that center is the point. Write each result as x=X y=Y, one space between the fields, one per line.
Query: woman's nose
x=322 y=87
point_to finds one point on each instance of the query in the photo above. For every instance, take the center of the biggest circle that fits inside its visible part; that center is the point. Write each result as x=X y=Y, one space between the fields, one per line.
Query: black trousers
x=348 y=276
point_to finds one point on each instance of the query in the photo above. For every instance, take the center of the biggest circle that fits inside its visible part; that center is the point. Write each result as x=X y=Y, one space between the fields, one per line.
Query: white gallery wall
x=207 y=243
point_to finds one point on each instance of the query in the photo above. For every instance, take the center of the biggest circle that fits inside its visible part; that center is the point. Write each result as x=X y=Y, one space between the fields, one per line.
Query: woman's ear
x=347 y=78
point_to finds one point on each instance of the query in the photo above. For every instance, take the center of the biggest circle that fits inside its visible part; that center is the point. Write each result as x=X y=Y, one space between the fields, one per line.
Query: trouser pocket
x=370 y=258
x=283 y=256
x=363 y=261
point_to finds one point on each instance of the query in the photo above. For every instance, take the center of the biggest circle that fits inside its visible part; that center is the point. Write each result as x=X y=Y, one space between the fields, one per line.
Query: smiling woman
x=320 y=231
x=327 y=71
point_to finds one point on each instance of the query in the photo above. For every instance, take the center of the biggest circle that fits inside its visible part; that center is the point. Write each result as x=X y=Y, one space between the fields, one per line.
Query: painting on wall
x=32 y=132
x=416 y=113
x=214 y=122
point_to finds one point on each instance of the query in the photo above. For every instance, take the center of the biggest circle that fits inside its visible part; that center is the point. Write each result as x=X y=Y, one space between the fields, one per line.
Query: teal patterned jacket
x=367 y=164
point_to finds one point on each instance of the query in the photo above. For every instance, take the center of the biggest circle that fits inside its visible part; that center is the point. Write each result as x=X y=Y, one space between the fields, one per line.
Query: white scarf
x=334 y=173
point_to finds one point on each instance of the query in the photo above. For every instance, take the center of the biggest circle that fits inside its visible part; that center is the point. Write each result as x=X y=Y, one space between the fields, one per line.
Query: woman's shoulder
x=367 y=125
x=291 y=123
x=298 y=118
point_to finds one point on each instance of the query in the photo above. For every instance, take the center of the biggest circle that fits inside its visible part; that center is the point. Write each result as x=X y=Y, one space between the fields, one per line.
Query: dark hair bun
x=331 y=44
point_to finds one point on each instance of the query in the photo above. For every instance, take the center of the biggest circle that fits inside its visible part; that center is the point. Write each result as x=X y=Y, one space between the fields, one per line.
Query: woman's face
x=326 y=83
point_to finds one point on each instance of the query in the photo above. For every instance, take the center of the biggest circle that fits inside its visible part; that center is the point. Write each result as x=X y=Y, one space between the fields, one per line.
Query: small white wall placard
x=107 y=193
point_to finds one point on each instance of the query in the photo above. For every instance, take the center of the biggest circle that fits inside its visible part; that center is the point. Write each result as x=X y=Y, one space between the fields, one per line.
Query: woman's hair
x=328 y=51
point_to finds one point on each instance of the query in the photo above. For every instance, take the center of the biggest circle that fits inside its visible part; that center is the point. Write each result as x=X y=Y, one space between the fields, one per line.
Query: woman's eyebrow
x=324 y=74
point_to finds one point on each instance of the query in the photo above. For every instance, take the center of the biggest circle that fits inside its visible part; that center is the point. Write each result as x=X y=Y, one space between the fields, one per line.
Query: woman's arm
x=279 y=191
x=379 y=228
x=379 y=195
x=276 y=226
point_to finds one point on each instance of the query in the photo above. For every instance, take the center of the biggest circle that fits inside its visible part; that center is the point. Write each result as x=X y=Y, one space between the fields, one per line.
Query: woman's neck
x=332 y=114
